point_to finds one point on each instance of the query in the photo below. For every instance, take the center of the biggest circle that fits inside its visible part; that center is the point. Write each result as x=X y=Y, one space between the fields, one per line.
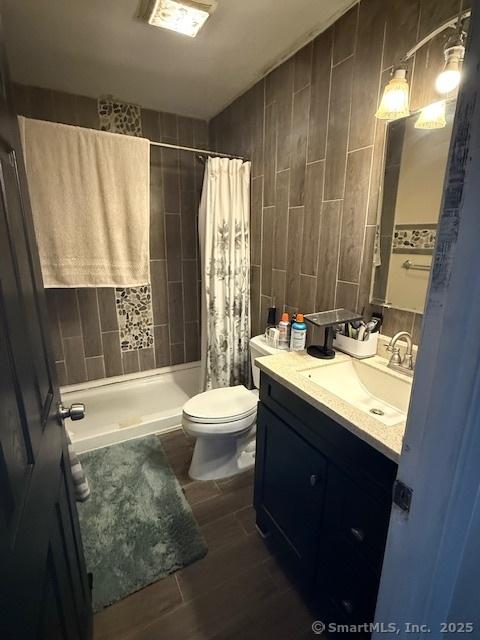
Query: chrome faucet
x=404 y=364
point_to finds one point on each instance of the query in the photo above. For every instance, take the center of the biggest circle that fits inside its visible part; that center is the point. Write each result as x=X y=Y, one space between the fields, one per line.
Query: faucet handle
x=408 y=361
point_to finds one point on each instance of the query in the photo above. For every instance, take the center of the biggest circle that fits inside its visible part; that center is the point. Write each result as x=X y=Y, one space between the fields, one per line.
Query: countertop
x=285 y=368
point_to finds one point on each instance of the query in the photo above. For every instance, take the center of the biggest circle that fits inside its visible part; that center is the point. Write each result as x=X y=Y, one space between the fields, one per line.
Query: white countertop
x=285 y=368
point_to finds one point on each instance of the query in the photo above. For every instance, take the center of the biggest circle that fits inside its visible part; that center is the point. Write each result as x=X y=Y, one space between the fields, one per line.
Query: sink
x=379 y=393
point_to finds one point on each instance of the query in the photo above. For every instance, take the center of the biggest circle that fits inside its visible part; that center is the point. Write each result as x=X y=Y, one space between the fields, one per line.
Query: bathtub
x=126 y=407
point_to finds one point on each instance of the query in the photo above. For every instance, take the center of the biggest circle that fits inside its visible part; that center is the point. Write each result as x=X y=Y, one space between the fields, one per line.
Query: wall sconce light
x=432 y=117
x=449 y=79
x=394 y=103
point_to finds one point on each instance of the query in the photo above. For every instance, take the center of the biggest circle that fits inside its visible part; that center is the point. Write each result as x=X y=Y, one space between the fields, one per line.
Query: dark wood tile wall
x=84 y=323
x=317 y=155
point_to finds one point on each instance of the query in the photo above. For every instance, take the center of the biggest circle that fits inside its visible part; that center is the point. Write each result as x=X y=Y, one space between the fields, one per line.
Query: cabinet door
x=290 y=488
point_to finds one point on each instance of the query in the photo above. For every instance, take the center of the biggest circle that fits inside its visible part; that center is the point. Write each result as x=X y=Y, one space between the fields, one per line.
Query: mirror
x=414 y=171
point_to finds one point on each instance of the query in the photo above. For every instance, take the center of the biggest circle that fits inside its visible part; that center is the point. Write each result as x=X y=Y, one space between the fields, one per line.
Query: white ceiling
x=97 y=47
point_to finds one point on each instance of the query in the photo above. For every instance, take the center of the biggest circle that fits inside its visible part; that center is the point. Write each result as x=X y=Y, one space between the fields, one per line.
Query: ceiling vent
x=183 y=16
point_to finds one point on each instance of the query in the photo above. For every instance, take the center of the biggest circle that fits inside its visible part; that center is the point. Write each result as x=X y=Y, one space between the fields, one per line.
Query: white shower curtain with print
x=224 y=234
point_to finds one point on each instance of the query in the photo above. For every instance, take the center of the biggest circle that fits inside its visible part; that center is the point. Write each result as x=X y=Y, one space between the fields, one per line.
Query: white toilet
x=223 y=423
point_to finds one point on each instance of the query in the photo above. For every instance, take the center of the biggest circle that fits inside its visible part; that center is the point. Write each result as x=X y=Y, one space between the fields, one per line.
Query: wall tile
x=435 y=13
x=345 y=32
x=396 y=320
x=157 y=218
x=41 y=104
x=313 y=209
x=86 y=112
x=337 y=137
x=417 y=328
x=174 y=247
x=175 y=306
x=255 y=299
x=354 y=214
x=75 y=360
x=265 y=304
x=367 y=268
x=158 y=275
x=428 y=62
x=280 y=87
x=61 y=370
x=108 y=311
x=258 y=129
x=270 y=152
x=112 y=354
x=328 y=255
x=346 y=297
x=401 y=31
x=146 y=359
x=301 y=101
x=68 y=313
x=256 y=210
x=89 y=315
x=190 y=290
x=177 y=353
x=320 y=89
x=151 y=124
x=168 y=128
x=162 y=346
x=95 y=368
x=302 y=67
x=308 y=286
x=171 y=180
x=267 y=249
x=64 y=105
x=130 y=362
x=294 y=255
x=56 y=338
x=366 y=74
x=192 y=341
x=280 y=223
x=279 y=279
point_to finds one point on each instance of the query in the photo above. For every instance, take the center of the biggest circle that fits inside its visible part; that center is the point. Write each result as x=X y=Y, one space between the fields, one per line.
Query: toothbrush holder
x=357 y=348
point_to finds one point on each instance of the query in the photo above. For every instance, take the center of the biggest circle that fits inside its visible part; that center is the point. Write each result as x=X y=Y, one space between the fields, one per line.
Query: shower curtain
x=224 y=234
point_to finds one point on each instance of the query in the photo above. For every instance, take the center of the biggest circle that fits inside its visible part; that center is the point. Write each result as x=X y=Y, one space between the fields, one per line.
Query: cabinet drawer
x=347 y=585
x=356 y=517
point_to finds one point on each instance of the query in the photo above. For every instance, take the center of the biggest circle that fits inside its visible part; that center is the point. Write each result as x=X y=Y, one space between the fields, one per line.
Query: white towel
x=90 y=195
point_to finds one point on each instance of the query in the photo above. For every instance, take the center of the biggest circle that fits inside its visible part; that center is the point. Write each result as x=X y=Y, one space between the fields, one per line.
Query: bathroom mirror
x=414 y=171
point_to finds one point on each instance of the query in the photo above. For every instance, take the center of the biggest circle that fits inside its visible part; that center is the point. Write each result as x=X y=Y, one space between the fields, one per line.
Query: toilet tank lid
x=228 y=402
x=260 y=344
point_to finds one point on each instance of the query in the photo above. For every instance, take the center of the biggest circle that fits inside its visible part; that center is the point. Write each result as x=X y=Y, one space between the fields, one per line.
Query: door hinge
x=402 y=495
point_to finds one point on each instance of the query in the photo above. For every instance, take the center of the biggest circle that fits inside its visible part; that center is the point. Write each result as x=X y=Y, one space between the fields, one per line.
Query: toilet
x=223 y=422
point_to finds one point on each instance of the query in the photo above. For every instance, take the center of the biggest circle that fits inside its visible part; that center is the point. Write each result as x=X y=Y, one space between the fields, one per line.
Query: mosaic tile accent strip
x=415 y=238
x=119 y=117
x=135 y=317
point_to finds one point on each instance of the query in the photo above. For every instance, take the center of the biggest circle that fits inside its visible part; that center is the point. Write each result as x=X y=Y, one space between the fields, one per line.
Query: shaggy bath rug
x=137 y=526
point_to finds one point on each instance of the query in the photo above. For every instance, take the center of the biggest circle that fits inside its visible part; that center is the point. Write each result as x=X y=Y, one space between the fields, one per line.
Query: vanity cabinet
x=323 y=499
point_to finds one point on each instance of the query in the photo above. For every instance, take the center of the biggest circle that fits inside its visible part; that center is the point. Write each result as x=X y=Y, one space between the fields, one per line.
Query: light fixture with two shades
x=395 y=99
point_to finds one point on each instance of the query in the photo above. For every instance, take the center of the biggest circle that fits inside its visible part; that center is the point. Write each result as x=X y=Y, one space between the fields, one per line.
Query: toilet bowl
x=223 y=421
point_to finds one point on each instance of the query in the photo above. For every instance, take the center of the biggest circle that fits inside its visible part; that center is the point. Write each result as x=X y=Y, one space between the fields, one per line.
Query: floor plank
x=237 y=592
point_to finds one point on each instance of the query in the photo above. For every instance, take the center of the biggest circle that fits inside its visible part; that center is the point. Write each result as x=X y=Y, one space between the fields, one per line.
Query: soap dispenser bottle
x=298 y=337
x=284 y=329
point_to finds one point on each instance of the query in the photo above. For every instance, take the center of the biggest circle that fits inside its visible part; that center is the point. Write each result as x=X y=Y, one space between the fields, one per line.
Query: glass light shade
x=177 y=16
x=449 y=79
x=432 y=117
x=394 y=102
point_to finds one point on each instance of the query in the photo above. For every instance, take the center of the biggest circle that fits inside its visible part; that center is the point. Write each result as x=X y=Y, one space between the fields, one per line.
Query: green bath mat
x=137 y=526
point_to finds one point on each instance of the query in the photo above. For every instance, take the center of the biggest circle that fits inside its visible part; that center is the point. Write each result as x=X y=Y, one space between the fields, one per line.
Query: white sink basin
x=377 y=392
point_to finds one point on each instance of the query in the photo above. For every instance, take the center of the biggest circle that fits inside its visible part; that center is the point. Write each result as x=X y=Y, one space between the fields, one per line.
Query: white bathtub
x=127 y=407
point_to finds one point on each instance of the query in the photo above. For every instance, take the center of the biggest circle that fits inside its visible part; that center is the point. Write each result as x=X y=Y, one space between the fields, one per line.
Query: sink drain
x=377 y=412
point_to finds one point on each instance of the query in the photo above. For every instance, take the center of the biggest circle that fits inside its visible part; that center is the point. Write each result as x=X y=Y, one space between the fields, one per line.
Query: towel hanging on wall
x=90 y=196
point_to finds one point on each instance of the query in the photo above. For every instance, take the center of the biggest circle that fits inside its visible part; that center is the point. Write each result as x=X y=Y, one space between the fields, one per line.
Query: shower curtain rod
x=199 y=151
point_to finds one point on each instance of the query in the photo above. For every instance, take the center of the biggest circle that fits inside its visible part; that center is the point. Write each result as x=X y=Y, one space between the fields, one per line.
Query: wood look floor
x=237 y=592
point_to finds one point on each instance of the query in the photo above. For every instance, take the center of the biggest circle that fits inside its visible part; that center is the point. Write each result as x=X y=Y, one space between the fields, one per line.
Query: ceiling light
x=183 y=16
x=449 y=79
x=394 y=102
x=432 y=117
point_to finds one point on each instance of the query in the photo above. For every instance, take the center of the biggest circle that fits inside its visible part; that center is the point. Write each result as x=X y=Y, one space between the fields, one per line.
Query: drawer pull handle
x=347 y=607
x=313 y=479
x=358 y=534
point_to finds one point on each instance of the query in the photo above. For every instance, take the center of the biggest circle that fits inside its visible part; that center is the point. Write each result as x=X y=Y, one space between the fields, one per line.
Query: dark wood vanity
x=322 y=499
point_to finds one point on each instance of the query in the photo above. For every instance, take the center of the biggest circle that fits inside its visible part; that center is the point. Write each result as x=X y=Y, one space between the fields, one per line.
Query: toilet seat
x=221 y=411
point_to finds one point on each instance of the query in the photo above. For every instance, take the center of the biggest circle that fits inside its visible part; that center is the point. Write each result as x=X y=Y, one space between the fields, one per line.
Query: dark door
x=44 y=587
